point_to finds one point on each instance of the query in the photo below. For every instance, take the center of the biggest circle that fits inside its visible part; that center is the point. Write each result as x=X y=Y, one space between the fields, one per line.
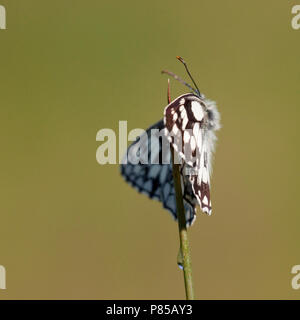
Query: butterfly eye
x=210 y=114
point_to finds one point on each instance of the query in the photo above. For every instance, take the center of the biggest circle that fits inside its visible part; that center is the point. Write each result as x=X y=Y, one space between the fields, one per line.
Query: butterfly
x=189 y=126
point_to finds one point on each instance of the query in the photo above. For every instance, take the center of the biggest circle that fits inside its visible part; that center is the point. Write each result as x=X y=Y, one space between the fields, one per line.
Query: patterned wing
x=155 y=178
x=186 y=122
x=200 y=182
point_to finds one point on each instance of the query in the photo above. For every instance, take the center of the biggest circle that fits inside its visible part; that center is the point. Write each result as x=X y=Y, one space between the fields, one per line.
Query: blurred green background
x=72 y=229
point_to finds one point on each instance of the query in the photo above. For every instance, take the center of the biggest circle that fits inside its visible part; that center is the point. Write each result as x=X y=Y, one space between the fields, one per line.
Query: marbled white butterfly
x=189 y=124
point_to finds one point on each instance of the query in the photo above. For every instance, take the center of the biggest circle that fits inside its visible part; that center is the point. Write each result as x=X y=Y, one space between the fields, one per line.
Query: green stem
x=184 y=241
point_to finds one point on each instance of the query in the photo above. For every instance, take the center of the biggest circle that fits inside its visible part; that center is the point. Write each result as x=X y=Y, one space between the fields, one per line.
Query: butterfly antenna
x=179 y=79
x=187 y=70
x=168 y=92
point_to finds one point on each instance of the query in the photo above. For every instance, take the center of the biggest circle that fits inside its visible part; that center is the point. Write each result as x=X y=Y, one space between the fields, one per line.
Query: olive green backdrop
x=70 y=228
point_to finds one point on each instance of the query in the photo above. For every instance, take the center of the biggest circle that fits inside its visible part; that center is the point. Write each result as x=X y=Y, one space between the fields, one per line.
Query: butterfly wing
x=200 y=182
x=186 y=128
x=155 y=178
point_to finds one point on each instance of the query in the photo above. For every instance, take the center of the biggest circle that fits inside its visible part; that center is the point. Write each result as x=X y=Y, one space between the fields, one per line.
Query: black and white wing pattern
x=154 y=176
x=190 y=122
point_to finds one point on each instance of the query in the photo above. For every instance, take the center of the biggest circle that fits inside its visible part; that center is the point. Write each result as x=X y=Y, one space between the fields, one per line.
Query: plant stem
x=183 y=237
